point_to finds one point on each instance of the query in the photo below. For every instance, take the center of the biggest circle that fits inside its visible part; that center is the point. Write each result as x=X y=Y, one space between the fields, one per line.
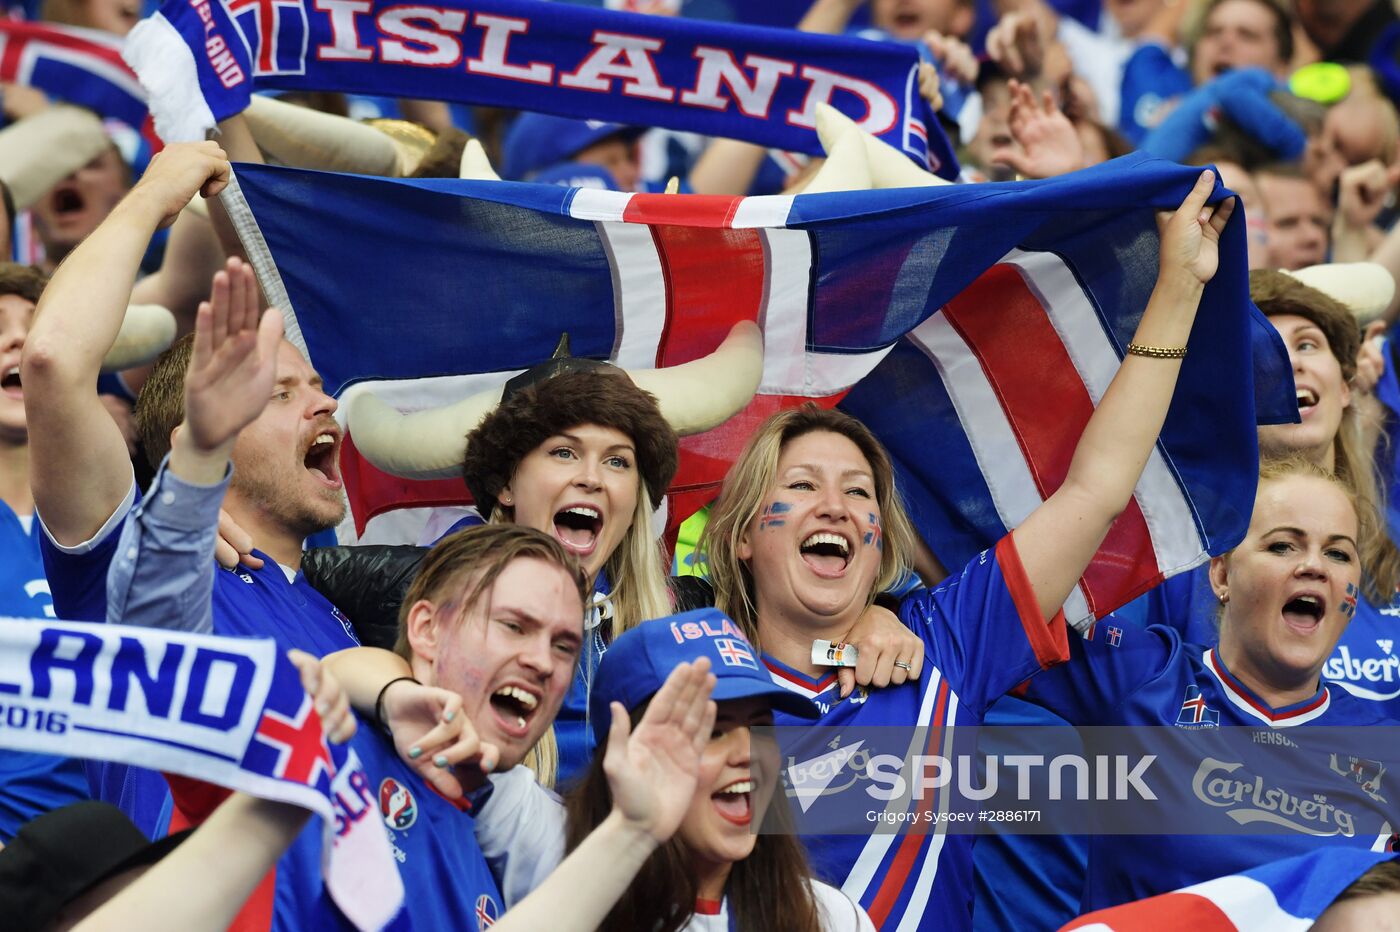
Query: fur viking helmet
x=652 y=406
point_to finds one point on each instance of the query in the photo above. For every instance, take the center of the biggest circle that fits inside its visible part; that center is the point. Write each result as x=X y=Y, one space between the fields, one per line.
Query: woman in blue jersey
x=582 y=452
x=1284 y=596
x=809 y=527
x=1322 y=339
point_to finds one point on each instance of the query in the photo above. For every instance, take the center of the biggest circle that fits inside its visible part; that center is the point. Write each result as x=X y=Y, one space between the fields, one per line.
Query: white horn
x=1364 y=288
x=698 y=395
x=306 y=138
x=847 y=168
x=147 y=331
x=39 y=151
x=423 y=445
x=889 y=168
x=475 y=165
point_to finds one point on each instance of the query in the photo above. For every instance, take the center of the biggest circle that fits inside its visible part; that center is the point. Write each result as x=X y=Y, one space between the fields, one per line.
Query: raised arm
x=1059 y=538
x=78 y=460
x=165 y=575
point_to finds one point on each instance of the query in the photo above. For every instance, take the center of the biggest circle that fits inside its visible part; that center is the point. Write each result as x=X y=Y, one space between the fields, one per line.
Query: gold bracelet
x=1157 y=352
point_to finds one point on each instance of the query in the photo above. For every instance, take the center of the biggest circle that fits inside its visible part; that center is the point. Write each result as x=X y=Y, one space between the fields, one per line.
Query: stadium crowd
x=562 y=720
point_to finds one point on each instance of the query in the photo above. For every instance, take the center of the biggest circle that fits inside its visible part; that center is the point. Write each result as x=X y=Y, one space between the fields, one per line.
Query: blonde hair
x=640 y=591
x=749 y=481
x=1354 y=469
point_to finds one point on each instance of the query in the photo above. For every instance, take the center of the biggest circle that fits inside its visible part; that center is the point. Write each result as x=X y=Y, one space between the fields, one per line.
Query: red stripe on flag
x=372 y=491
x=1048 y=406
x=1168 y=911
x=693 y=210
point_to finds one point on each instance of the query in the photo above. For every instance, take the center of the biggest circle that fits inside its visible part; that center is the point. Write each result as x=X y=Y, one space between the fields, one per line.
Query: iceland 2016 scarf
x=201 y=59
x=229 y=711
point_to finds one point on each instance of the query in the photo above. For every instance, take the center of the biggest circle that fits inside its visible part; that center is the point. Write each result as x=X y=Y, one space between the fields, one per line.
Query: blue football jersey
x=246 y=603
x=1128 y=675
x=983 y=634
x=1365 y=662
x=447 y=883
x=30 y=784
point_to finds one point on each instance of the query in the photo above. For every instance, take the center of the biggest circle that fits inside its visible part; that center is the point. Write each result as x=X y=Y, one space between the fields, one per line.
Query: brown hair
x=24 y=281
x=478 y=555
x=160 y=407
x=747 y=483
x=1381 y=879
x=1277 y=293
x=770 y=889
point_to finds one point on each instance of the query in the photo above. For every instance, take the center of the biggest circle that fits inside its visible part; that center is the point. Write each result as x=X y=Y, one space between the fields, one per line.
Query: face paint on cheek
x=875 y=537
x=1349 y=603
x=772 y=515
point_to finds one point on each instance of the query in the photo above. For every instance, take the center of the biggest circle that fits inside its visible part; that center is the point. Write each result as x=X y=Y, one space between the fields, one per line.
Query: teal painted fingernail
x=440 y=760
x=448 y=716
x=415 y=753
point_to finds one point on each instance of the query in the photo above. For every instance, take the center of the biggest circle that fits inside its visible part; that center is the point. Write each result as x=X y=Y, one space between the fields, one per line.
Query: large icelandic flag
x=1284 y=896
x=80 y=66
x=973 y=327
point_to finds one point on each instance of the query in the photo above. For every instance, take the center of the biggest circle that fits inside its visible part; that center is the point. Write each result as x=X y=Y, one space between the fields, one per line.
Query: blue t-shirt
x=1128 y=675
x=30 y=784
x=246 y=603
x=983 y=634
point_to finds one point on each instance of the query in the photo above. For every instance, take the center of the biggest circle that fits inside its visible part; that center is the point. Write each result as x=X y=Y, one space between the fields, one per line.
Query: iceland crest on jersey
x=1194 y=711
x=487 y=912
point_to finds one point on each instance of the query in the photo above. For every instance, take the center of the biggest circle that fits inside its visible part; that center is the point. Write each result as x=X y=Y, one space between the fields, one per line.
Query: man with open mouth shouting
x=232 y=392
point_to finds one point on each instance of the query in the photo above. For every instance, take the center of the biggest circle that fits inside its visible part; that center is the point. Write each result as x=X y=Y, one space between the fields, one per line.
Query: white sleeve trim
x=111 y=525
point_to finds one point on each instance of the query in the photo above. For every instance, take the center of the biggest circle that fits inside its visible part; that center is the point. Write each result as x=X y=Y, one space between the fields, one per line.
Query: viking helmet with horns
x=485 y=436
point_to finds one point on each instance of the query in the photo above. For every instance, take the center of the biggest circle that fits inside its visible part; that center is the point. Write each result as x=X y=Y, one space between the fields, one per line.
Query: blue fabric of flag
x=394 y=279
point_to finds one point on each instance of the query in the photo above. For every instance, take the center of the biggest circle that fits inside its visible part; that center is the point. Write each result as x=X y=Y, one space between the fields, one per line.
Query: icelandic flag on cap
x=972 y=327
x=1284 y=896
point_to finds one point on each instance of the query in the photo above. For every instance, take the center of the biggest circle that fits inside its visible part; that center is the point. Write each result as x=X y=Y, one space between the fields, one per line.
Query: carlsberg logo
x=1249 y=801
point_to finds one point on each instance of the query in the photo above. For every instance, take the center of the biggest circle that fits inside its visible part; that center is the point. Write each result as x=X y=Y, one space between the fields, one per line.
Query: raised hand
x=1363 y=189
x=653 y=771
x=1015 y=44
x=234 y=364
x=1191 y=234
x=434 y=735
x=1048 y=146
x=954 y=57
x=176 y=174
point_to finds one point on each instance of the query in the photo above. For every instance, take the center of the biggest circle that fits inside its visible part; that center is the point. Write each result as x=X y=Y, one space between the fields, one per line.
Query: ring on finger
x=903 y=666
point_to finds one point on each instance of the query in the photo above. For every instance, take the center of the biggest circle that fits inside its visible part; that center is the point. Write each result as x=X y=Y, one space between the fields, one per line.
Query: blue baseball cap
x=638 y=662
x=536 y=141
x=578 y=175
